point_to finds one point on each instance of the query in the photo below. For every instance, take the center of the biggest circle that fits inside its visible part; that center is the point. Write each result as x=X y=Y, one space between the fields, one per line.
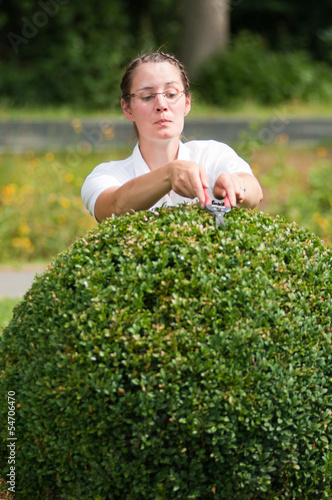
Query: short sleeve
x=99 y=180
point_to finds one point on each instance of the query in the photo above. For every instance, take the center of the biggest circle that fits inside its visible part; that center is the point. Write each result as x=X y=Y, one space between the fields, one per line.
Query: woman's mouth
x=162 y=122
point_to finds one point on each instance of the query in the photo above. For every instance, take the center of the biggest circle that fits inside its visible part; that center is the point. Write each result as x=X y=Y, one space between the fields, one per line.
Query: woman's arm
x=186 y=178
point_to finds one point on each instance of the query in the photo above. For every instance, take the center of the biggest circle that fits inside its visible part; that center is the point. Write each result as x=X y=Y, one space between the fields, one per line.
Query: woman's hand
x=241 y=188
x=190 y=180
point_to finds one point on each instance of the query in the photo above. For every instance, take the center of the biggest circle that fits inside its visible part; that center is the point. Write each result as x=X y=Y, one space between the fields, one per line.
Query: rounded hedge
x=160 y=358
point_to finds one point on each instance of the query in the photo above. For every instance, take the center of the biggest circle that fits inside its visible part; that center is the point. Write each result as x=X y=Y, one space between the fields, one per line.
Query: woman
x=162 y=170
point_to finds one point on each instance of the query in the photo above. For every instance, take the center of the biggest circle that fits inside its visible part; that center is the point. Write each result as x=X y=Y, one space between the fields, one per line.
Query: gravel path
x=14 y=283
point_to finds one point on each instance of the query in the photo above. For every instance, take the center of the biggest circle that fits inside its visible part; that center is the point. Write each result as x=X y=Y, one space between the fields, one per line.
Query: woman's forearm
x=140 y=193
x=186 y=178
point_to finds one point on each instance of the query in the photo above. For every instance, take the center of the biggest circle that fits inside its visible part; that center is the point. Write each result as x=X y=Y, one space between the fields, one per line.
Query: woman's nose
x=160 y=102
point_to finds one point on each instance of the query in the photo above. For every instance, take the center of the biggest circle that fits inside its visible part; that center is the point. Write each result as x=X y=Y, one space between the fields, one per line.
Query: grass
x=6 y=311
x=41 y=211
x=297 y=184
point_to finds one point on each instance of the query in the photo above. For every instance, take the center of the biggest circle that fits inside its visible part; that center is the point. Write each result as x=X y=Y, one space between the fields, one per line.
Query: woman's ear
x=187 y=105
x=126 y=110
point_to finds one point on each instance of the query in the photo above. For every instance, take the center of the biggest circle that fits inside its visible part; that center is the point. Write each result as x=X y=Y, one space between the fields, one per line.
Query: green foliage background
x=249 y=70
x=66 y=52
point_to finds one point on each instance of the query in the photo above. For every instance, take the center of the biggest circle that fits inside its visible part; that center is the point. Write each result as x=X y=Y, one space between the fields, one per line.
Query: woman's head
x=156 y=96
x=153 y=57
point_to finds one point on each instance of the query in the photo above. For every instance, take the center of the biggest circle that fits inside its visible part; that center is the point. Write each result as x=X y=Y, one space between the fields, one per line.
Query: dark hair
x=128 y=76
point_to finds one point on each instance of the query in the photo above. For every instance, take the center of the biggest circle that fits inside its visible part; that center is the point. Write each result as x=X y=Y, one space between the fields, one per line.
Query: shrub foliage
x=160 y=358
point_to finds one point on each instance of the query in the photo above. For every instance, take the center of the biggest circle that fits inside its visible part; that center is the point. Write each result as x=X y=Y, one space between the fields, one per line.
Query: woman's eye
x=147 y=98
x=171 y=95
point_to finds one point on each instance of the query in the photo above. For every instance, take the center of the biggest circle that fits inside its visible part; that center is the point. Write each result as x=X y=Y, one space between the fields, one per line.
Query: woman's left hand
x=240 y=188
x=230 y=185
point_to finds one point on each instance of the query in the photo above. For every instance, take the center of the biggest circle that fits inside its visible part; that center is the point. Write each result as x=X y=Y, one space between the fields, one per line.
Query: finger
x=221 y=185
x=229 y=187
x=199 y=185
x=200 y=193
x=230 y=194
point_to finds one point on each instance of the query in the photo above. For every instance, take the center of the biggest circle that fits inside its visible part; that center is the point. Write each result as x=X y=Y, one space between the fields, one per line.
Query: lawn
x=297 y=184
x=41 y=211
x=6 y=308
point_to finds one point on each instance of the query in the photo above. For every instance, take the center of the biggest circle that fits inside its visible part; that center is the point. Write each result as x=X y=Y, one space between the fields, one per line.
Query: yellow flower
x=321 y=221
x=108 y=132
x=69 y=177
x=34 y=163
x=322 y=152
x=77 y=125
x=283 y=139
x=49 y=156
x=24 y=243
x=64 y=202
x=255 y=168
x=9 y=190
x=23 y=229
x=8 y=194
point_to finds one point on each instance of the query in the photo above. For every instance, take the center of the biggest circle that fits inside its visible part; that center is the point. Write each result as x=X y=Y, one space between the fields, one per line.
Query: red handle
x=227 y=203
x=208 y=200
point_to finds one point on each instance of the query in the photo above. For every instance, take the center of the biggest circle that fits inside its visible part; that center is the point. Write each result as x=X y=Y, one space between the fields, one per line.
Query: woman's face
x=158 y=119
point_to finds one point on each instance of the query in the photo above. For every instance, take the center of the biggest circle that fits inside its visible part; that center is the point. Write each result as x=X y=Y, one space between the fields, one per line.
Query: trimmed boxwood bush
x=160 y=358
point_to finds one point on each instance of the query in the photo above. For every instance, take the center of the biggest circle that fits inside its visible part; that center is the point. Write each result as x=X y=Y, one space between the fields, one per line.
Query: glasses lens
x=146 y=96
x=170 y=95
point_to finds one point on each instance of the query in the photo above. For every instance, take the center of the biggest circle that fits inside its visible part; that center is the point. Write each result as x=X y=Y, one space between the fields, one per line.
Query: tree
x=206 y=31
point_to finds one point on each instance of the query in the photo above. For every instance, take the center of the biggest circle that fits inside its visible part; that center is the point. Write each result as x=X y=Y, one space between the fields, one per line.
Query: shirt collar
x=184 y=152
x=140 y=165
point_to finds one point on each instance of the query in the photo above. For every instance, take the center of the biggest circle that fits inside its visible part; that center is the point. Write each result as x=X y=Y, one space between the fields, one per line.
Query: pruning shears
x=219 y=210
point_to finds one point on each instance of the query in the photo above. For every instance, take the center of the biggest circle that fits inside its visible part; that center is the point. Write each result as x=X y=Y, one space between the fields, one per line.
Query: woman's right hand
x=190 y=180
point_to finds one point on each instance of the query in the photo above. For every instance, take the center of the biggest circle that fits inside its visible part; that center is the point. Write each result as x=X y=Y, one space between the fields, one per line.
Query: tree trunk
x=206 y=31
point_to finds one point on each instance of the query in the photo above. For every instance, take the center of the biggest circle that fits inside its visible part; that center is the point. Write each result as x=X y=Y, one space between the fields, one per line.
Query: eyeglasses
x=170 y=95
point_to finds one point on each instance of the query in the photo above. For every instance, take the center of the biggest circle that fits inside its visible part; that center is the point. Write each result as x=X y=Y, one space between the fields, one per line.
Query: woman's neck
x=156 y=154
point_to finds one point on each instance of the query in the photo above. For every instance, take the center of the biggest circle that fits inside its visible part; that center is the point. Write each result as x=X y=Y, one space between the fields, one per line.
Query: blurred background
x=259 y=72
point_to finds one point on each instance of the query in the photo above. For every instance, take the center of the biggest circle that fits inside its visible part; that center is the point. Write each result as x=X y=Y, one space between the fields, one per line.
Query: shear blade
x=219 y=219
x=218 y=211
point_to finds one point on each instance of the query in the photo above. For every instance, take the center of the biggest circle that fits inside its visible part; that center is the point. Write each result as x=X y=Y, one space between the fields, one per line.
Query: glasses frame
x=154 y=94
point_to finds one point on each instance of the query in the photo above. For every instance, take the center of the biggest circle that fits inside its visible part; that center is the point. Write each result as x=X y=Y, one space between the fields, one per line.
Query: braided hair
x=128 y=76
